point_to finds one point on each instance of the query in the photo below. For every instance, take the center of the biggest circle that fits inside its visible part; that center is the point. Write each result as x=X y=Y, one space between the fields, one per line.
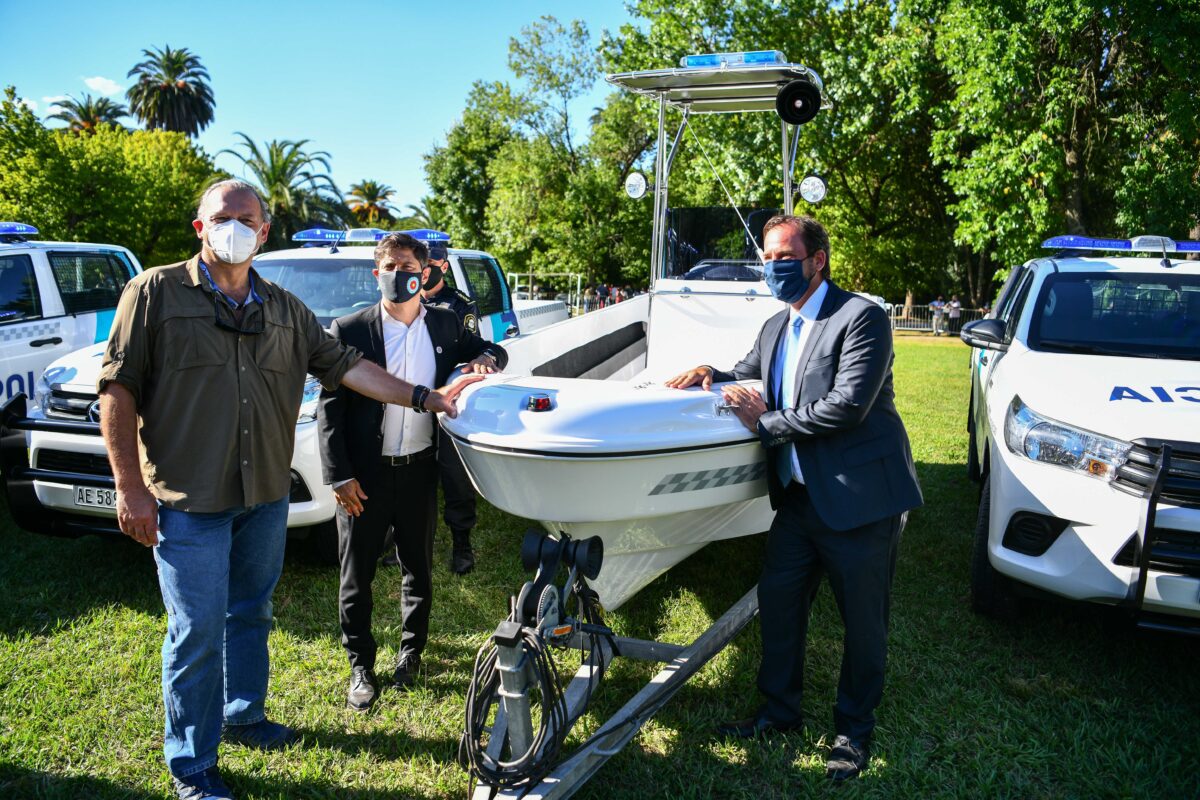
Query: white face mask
x=232 y=241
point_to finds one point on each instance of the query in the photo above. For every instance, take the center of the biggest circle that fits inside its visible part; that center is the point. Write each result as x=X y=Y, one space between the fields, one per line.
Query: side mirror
x=985 y=333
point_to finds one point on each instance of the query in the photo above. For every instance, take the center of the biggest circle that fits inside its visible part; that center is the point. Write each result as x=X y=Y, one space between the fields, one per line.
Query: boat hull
x=650 y=510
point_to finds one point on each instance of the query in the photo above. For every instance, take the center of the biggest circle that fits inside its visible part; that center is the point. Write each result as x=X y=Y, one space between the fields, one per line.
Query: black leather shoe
x=205 y=785
x=758 y=725
x=406 y=671
x=364 y=689
x=847 y=759
x=462 y=557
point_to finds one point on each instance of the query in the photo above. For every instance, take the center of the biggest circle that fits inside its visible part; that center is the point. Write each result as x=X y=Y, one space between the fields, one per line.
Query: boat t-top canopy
x=720 y=89
x=722 y=83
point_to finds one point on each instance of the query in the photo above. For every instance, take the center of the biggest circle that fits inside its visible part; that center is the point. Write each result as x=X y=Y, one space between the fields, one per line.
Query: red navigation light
x=539 y=402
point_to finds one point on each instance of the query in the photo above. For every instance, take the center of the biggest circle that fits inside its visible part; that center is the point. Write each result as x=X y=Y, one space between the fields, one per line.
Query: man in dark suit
x=841 y=481
x=382 y=464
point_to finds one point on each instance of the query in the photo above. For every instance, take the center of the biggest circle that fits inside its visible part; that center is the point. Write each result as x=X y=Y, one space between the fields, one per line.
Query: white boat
x=579 y=433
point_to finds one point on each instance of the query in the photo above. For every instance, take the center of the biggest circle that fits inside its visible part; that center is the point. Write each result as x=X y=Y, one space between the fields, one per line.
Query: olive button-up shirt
x=217 y=397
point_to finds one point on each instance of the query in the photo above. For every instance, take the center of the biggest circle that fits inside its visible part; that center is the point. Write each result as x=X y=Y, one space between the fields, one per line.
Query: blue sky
x=375 y=84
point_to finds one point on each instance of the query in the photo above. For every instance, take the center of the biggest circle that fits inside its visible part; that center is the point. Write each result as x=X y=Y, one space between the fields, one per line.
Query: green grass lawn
x=1070 y=703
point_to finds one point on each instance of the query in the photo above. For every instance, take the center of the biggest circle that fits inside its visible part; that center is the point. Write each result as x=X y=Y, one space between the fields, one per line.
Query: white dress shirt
x=789 y=357
x=409 y=353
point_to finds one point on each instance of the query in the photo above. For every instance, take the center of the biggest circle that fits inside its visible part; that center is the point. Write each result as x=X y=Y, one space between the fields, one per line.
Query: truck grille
x=1181 y=487
x=67 y=461
x=69 y=405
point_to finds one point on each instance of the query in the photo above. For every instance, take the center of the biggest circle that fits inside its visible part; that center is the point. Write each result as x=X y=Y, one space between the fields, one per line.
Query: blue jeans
x=216 y=572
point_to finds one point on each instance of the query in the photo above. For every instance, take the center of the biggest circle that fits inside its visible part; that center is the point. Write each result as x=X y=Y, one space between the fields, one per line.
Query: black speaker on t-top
x=798 y=102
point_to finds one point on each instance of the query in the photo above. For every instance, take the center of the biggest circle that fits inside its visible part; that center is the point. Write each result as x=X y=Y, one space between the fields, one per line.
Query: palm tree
x=84 y=116
x=172 y=91
x=421 y=213
x=295 y=184
x=369 y=202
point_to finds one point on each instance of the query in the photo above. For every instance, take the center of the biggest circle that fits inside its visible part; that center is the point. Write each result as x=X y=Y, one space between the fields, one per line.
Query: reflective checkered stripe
x=19 y=332
x=710 y=478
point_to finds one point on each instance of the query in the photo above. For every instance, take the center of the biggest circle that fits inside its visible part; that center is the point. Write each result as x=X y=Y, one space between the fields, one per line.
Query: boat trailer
x=519 y=714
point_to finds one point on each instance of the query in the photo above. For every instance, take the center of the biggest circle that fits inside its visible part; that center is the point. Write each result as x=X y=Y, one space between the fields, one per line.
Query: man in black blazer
x=841 y=480
x=382 y=464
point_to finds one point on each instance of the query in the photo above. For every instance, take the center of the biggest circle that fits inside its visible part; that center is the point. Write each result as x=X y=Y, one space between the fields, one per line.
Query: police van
x=55 y=297
x=333 y=276
x=1084 y=429
x=59 y=481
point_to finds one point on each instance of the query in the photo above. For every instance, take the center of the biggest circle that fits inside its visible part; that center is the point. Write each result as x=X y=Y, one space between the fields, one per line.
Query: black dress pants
x=457 y=489
x=404 y=498
x=859 y=564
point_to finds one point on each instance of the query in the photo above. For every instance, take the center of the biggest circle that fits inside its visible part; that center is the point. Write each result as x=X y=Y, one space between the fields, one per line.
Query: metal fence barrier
x=924 y=318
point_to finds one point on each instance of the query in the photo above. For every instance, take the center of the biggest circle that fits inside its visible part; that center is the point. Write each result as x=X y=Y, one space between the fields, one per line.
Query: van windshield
x=331 y=288
x=1146 y=315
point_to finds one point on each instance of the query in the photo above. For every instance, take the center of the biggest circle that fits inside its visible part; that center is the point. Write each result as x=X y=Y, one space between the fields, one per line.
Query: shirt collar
x=388 y=318
x=812 y=306
x=254 y=295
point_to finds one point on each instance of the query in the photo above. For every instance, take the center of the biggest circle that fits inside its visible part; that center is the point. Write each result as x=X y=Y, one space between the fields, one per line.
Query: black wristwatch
x=419 y=396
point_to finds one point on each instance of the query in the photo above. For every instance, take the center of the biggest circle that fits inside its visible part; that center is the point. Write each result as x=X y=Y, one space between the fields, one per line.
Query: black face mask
x=435 y=276
x=399 y=287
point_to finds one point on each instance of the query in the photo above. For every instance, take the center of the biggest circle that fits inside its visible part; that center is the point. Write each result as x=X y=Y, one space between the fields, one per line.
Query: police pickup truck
x=55 y=297
x=55 y=467
x=1084 y=430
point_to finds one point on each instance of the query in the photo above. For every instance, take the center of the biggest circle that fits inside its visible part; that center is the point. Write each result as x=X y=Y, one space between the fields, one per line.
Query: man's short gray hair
x=233 y=185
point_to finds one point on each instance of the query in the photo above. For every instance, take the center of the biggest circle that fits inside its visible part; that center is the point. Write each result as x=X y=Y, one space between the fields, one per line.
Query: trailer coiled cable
x=483 y=692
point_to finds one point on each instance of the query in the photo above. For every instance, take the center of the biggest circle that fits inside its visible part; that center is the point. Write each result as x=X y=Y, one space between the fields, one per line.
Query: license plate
x=94 y=497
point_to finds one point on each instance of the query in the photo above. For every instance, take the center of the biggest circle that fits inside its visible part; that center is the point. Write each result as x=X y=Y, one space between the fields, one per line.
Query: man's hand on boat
x=747 y=404
x=349 y=497
x=701 y=375
x=441 y=401
x=482 y=364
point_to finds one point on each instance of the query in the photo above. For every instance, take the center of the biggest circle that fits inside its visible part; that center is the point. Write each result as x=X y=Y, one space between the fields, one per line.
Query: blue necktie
x=789 y=357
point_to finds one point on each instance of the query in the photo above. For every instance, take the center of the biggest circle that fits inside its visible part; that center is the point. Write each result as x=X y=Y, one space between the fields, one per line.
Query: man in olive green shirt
x=200 y=389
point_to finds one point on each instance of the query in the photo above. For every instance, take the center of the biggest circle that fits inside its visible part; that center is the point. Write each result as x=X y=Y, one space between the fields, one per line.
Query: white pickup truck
x=1084 y=430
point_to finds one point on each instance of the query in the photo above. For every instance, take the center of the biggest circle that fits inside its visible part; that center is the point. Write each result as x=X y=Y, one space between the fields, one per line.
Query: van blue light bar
x=18 y=229
x=734 y=59
x=319 y=235
x=428 y=235
x=365 y=234
x=1138 y=244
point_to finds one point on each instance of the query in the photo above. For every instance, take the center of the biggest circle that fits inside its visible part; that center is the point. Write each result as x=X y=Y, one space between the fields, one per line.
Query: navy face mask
x=399 y=287
x=785 y=278
x=435 y=276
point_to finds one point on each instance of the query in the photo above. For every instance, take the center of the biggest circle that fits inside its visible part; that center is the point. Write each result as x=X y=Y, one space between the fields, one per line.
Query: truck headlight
x=308 y=402
x=43 y=388
x=1038 y=438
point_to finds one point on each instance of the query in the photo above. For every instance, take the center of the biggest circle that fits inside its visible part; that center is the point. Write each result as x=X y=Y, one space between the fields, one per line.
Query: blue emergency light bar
x=734 y=59
x=1138 y=244
x=428 y=235
x=365 y=234
x=319 y=235
x=17 y=229
x=332 y=236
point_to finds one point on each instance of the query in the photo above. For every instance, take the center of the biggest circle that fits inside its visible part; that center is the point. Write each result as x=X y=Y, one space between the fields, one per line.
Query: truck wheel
x=991 y=592
x=323 y=542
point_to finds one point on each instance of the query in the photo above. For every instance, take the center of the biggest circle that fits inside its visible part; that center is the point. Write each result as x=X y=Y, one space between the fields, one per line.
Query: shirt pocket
x=192 y=339
x=277 y=348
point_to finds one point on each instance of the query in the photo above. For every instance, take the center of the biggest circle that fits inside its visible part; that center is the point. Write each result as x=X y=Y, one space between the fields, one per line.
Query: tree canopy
x=134 y=188
x=959 y=134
